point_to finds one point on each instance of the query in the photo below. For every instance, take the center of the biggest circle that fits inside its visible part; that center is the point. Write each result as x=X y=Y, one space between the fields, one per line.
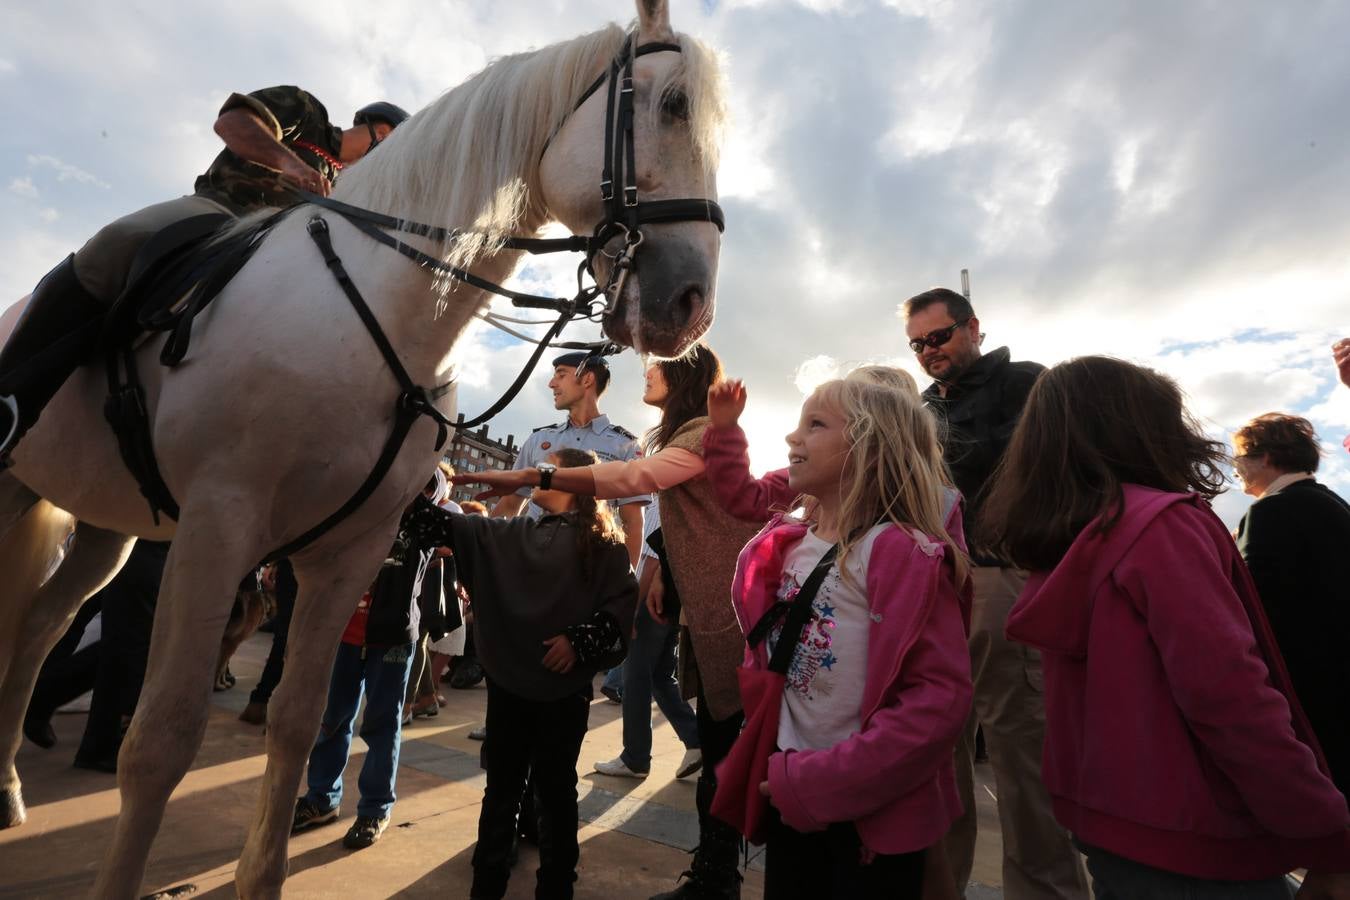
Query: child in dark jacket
x=553 y=604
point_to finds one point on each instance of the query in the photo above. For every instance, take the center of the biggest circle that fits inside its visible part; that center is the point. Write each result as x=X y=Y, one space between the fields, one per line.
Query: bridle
x=625 y=214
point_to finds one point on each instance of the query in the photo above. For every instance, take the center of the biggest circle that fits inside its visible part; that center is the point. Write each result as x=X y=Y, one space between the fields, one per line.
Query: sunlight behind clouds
x=1145 y=180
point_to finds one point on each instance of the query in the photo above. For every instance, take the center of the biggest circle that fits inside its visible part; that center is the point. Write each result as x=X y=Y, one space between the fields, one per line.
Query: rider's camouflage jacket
x=299 y=121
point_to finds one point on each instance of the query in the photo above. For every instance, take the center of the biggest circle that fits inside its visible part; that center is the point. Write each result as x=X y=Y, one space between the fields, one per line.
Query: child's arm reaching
x=726 y=461
x=428 y=524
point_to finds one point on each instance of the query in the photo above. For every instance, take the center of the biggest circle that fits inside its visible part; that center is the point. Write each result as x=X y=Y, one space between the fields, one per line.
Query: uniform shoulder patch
x=543 y=428
x=623 y=431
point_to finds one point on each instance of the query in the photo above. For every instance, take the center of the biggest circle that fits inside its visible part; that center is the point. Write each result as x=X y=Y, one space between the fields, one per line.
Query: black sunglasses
x=937 y=337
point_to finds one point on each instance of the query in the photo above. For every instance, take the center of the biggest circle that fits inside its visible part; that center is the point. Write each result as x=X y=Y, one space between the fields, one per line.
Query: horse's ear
x=654 y=20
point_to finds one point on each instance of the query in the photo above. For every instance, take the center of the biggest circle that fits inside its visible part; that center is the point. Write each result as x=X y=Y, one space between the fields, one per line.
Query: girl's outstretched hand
x=500 y=484
x=561 y=657
x=726 y=402
x=1341 y=352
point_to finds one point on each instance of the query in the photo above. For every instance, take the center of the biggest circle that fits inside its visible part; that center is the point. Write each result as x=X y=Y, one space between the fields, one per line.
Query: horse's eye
x=676 y=105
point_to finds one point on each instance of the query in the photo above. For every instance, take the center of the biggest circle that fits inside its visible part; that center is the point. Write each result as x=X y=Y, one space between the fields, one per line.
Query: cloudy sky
x=1161 y=181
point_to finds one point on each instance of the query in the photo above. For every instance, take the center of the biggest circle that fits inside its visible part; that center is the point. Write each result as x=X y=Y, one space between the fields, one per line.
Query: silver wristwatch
x=546 y=471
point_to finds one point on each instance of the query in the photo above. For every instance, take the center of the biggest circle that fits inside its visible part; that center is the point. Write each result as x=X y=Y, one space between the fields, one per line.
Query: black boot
x=714 y=874
x=56 y=333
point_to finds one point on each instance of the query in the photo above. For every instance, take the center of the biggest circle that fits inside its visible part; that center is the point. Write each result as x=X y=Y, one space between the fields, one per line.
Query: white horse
x=283 y=404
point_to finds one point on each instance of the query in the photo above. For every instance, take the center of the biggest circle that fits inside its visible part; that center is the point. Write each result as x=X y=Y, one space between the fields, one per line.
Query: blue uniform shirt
x=607 y=441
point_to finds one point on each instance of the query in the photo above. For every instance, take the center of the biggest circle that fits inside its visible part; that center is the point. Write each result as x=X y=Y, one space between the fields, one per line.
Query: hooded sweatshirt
x=894 y=777
x=1172 y=734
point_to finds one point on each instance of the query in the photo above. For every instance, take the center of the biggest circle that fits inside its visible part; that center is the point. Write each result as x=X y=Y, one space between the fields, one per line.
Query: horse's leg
x=15 y=500
x=212 y=548
x=95 y=556
x=329 y=590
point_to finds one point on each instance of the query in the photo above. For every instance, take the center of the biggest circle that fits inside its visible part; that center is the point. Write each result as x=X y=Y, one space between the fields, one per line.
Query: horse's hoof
x=182 y=890
x=12 y=810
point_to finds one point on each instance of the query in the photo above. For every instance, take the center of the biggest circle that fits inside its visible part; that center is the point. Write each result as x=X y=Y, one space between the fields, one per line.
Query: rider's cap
x=380 y=111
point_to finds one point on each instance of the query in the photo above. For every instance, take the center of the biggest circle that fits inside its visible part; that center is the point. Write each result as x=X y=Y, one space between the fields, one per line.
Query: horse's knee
x=289 y=736
x=154 y=760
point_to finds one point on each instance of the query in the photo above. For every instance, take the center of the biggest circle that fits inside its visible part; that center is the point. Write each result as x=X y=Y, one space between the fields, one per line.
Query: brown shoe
x=254 y=714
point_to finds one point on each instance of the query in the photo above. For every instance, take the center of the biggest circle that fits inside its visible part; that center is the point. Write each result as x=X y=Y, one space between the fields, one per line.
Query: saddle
x=175 y=275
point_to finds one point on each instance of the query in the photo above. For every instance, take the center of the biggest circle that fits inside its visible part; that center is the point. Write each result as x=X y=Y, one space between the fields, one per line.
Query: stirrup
x=8 y=401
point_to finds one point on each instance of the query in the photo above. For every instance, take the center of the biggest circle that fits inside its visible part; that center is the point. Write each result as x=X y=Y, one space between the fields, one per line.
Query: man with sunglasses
x=979 y=397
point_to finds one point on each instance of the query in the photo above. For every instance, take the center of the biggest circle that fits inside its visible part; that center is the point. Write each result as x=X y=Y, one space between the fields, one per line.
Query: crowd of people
x=1022 y=552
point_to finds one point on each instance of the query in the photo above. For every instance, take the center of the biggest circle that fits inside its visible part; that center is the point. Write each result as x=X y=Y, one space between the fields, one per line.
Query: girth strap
x=126 y=412
x=413 y=401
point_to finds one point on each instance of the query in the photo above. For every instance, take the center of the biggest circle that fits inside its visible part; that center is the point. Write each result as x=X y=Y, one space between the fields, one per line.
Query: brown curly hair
x=1289 y=443
x=598 y=528
x=1090 y=426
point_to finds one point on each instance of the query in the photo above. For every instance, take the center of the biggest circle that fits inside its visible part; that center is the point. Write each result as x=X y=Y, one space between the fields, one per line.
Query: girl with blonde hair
x=726 y=451
x=859 y=606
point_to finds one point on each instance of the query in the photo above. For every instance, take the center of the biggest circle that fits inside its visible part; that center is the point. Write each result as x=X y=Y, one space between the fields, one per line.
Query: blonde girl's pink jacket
x=894 y=779
x=1173 y=736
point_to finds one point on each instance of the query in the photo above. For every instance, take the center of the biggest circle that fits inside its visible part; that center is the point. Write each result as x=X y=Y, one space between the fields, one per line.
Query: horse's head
x=666 y=301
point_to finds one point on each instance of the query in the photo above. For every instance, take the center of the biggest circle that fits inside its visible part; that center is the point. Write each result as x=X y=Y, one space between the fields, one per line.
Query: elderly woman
x=1296 y=541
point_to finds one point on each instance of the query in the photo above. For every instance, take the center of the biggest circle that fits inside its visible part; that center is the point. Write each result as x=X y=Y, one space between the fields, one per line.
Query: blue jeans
x=649 y=672
x=1117 y=878
x=382 y=677
x=614 y=679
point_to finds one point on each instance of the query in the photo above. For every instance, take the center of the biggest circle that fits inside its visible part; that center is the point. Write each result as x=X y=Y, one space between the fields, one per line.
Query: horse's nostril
x=689 y=306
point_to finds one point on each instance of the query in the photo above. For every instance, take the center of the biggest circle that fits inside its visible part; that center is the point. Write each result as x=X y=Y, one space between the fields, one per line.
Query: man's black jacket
x=977 y=418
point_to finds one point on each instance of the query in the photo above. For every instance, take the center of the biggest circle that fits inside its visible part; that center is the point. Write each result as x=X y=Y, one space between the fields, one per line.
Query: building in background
x=474 y=451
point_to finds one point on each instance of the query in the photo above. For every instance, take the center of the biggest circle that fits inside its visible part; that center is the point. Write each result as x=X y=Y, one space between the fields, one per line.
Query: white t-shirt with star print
x=822 y=700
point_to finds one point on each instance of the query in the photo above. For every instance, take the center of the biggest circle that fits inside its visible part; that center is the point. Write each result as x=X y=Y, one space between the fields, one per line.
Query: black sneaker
x=365 y=831
x=467 y=674
x=310 y=815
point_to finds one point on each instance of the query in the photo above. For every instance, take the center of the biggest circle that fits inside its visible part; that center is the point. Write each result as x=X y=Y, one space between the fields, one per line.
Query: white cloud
x=813 y=372
x=49 y=214
x=66 y=171
x=1109 y=194
x=23 y=187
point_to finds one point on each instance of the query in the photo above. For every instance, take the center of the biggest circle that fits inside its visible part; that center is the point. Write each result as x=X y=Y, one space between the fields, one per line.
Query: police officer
x=277 y=140
x=577 y=383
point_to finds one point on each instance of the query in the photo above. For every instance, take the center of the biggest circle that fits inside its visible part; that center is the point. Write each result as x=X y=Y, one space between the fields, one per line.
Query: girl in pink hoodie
x=879 y=683
x=1175 y=750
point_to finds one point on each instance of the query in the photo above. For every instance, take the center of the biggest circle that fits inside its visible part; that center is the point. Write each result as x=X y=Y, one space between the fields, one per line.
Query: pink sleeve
x=906 y=742
x=725 y=453
x=663 y=469
x=1219 y=680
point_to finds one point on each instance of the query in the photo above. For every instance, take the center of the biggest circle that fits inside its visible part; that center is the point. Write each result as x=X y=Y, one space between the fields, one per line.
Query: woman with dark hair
x=1175 y=750
x=1295 y=539
x=702 y=542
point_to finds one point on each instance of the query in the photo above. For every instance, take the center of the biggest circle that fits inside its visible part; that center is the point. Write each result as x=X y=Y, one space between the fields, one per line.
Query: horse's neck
x=405 y=299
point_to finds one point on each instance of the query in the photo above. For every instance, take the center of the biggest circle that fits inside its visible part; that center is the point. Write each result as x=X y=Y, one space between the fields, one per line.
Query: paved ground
x=635 y=834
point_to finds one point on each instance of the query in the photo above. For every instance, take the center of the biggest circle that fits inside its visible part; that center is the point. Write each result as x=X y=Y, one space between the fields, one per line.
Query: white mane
x=470 y=159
